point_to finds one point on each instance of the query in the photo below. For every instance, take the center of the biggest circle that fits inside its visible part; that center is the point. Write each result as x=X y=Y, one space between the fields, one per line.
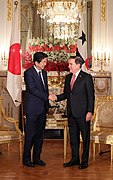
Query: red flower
x=72 y=48
x=47 y=48
x=26 y=59
x=39 y=48
x=50 y=66
x=57 y=48
x=31 y=48
x=56 y=66
x=65 y=48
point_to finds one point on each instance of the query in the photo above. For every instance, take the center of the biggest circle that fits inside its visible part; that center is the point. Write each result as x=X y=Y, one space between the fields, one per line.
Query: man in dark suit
x=79 y=92
x=36 y=106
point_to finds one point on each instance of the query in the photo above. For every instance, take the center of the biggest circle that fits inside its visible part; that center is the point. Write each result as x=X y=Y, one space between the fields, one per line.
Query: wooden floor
x=11 y=168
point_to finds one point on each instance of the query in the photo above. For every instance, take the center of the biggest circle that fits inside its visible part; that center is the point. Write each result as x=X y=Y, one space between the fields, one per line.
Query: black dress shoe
x=40 y=163
x=83 y=166
x=29 y=164
x=71 y=163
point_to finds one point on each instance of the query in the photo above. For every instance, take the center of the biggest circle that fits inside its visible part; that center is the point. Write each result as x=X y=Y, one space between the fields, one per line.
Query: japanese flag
x=14 y=78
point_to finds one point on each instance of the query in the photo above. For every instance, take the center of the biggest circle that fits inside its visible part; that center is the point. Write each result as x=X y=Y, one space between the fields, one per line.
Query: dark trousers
x=77 y=125
x=34 y=133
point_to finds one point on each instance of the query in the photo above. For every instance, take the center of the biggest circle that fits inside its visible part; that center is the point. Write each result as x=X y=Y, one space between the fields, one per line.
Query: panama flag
x=14 y=78
x=82 y=39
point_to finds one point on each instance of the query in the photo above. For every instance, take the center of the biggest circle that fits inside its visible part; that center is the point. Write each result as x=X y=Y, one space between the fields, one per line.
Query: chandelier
x=62 y=16
x=59 y=10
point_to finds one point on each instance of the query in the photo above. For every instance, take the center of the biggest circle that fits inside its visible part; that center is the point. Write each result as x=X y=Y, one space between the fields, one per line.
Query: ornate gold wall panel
x=103 y=10
x=9 y=10
x=10 y=108
x=102 y=82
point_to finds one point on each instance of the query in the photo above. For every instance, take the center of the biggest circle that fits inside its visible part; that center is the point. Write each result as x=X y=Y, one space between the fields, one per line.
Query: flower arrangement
x=26 y=59
x=58 y=51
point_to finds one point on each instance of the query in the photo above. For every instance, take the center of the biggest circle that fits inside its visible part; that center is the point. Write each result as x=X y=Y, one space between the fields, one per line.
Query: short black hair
x=78 y=60
x=39 y=56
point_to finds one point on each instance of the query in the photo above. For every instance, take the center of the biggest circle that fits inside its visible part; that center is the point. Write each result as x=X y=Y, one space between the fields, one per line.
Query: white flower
x=57 y=47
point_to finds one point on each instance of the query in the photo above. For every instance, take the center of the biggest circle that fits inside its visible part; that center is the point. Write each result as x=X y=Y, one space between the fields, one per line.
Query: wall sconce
x=102 y=58
x=3 y=60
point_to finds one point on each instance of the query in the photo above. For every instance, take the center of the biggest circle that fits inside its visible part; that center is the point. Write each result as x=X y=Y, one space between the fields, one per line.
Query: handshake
x=52 y=97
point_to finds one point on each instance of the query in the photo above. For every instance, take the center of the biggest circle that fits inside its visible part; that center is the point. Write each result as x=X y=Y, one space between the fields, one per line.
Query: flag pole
x=21 y=121
x=16 y=3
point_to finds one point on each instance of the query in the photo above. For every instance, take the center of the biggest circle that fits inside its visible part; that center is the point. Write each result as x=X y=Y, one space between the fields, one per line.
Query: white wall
x=103 y=32
x=110 y=36
x=2 y=25
x=5 y=30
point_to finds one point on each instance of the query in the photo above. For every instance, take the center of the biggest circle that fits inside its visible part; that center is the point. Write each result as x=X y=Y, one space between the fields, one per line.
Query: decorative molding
x=101 y=85
x=89 y=4
x=103 y=10
x=9 y=10
x=9 y=107
x=102 y=82
x=25 y=10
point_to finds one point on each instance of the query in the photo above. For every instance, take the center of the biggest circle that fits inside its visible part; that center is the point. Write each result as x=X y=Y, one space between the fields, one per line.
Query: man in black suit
x=79 y=92
x=36 y=106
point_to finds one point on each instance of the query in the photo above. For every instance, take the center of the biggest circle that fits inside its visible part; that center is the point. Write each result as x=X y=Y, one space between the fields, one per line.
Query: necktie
x=41 y=78
x=72 y=81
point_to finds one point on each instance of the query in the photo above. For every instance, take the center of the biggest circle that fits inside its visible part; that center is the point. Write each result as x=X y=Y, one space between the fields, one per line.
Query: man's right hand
x=52 y=97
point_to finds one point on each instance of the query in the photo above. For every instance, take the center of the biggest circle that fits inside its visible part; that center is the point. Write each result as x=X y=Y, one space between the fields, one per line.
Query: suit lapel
x=44 y=77
x=37 y=78
x=69 y=81
x=78 y=79
x=45 y=80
